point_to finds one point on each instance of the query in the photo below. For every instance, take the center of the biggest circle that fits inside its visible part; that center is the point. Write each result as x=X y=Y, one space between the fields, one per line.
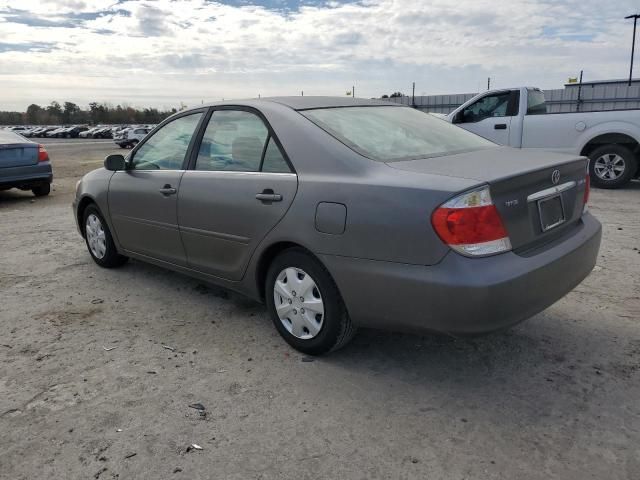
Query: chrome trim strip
x=240 y=172
x=146 y=221
x=210 y=233
x=551 y=191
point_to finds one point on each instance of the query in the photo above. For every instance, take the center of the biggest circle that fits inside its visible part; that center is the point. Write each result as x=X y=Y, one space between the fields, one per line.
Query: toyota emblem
x=555 y=177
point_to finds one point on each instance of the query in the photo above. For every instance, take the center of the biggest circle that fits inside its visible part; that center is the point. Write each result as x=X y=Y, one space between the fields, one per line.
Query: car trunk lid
x=538 y=194
x=16 y=151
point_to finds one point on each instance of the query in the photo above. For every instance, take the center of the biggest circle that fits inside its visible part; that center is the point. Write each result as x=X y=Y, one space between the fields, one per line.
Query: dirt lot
x=556 y=397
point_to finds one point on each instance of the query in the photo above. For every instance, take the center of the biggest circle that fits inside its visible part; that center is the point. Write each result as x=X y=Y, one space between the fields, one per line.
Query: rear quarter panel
x=570 y=132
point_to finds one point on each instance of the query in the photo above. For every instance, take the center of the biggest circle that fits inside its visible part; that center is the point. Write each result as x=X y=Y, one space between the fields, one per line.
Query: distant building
x=604 y=83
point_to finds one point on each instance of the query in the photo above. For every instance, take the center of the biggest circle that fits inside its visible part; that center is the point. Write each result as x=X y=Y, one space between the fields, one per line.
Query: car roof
x=305 y=103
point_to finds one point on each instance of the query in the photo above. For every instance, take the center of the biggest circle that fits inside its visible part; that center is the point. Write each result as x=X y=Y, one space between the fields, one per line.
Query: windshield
x=390 y=133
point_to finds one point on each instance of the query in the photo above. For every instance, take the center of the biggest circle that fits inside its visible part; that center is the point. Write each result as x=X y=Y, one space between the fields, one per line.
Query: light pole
x=633 y=43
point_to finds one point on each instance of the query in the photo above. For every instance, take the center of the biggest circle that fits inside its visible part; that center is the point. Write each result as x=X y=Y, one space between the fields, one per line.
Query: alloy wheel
x=609 y=166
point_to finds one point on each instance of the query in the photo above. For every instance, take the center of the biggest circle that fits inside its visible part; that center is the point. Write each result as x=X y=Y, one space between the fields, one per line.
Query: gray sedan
x=341 y=213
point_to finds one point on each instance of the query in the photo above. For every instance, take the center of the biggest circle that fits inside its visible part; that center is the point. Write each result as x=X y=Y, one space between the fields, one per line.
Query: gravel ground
x=98 y=369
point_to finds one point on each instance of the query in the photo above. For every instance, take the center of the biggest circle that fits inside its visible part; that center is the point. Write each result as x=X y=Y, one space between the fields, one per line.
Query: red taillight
x=43 y=156
x=462 y=226
x=470 y=224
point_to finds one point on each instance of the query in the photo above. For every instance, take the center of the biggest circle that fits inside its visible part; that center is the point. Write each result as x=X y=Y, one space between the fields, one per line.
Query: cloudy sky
x=163 y=52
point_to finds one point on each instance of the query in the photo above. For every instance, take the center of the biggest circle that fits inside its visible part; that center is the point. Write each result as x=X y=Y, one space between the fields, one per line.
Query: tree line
x=70 y=113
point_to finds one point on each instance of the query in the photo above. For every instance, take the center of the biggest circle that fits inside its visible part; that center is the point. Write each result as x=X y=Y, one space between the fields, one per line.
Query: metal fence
x=586 y=98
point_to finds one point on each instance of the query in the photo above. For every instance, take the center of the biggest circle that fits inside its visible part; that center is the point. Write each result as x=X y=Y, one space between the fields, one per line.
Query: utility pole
x=302 y=93
x=488 y=83
x=633 y=43
x=413 y=96
x=579 y=102
x=353 y=91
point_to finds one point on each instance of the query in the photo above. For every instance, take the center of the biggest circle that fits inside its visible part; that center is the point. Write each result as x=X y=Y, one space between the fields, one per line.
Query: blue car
x=24 y=164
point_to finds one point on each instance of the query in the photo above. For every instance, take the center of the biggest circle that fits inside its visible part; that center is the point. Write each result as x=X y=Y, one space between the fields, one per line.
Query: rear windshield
x=388 y=134
x=536 y=103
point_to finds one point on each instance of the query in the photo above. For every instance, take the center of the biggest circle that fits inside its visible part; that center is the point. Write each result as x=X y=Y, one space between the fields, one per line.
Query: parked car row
x=126 y=135
x=129 y=137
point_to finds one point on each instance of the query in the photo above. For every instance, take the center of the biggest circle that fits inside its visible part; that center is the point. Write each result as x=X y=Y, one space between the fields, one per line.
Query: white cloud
x=163 y=52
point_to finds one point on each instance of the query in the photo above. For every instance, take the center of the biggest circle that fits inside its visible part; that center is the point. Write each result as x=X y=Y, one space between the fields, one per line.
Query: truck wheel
x=611 y=166
x=42 y=190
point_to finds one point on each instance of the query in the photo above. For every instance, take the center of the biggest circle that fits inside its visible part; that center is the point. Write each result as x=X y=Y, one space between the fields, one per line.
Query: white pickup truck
x=518 y=117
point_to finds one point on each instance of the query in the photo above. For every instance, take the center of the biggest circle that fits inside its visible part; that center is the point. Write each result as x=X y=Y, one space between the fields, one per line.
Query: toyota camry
x=341 y=213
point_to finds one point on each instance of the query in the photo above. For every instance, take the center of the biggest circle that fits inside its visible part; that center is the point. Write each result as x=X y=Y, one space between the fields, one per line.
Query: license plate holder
x=551 y=210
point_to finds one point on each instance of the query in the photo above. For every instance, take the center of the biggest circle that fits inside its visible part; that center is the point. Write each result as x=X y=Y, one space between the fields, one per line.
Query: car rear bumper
x=27 y=175
x=463 y=295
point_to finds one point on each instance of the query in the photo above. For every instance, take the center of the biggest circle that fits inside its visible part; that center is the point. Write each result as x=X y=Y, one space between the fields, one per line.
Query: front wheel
x=99 y=240
x=305 y=304
x=611 y=166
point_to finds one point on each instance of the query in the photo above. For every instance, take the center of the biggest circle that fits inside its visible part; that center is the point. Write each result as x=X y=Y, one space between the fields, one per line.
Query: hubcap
x=95 y=236
x=609 y=166
x=298 y=303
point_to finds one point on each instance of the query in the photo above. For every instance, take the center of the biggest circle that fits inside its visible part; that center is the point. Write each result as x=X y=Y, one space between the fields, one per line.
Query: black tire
x=337 y=329
x=42 y=190
x=111 y=258
x=122 y=145
x=630 y=166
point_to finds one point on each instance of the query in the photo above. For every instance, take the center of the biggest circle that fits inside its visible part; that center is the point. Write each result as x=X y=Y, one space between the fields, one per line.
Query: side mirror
x=115 y=162
x=458 y=117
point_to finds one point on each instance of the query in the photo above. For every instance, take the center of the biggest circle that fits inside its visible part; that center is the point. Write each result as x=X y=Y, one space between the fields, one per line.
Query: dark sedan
x=341 y=213
x=24 y=164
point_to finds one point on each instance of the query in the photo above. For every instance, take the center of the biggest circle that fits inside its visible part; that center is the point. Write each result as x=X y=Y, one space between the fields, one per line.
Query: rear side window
x=536 y=103
x=274 y=161
x=233 y=141
x=395 y=133
x=239 y=141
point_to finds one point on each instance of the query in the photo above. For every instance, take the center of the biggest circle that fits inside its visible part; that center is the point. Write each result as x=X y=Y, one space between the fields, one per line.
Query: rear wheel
x=42 y=190
x=611 y=166
x=305 y=304
x=99 y=240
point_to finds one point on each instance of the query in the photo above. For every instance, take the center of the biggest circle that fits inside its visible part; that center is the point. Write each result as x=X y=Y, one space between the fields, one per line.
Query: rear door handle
x=168 y=190
x=500 y=126
x=267 y=195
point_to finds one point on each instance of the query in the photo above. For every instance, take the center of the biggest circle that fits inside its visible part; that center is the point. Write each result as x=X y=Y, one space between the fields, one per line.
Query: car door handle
x=268 y=196
x=168 y=190
x=500 y=126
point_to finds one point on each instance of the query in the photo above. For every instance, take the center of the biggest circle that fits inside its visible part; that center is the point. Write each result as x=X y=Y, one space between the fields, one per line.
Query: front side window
x=387 y=133
x=487 y=107
x=536 y=104
x=233 y=141
x=167 y=148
